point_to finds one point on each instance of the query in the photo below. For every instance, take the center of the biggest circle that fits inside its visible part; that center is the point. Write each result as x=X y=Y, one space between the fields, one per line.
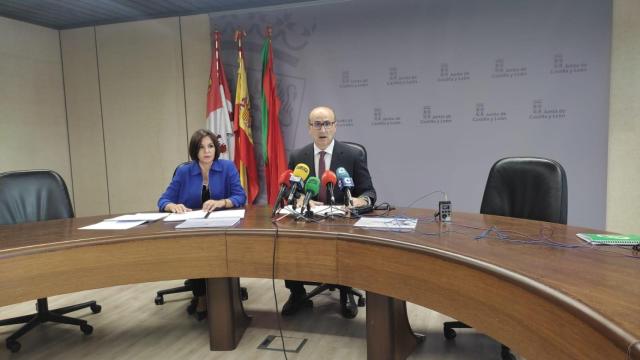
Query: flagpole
x=216 y=40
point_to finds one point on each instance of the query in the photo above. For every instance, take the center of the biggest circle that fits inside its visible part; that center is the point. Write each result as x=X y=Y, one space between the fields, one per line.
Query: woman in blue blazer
x=206 y=183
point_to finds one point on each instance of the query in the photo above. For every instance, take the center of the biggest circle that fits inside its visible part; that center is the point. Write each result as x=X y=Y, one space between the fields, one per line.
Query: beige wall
x=84 y=117
x=623 y=181
x=196 y=47
x=132 y=107
x=33 y=127
x=143 y=109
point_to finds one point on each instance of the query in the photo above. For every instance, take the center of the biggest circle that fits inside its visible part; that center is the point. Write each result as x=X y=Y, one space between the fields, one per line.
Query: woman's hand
x=211 y=205
x=176 y=208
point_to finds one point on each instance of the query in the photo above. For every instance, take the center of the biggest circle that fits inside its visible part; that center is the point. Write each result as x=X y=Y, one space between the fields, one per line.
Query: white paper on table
x=113 y=225
x=208 y=223
x=200 y=214
x=139 y=217
x=387 y=223
x=317 y=210
x=219 y=214
x=328 y=210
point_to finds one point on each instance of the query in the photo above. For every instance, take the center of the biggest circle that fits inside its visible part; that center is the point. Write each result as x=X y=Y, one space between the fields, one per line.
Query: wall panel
x=623 y=193
x=143 y=109
x=86 y=143
x=33 y=127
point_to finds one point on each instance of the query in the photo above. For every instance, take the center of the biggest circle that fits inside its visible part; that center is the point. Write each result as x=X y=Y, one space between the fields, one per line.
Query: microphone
x=297 y=179
x=284 y=185
x=311 y=189
x=345 y=183
x=329 y=182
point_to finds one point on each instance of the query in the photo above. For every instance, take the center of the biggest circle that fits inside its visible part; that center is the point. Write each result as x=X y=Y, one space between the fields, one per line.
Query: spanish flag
x=244 y=154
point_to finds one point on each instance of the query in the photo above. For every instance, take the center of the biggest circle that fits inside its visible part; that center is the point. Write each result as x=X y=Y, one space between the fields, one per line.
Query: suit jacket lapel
x=336 y=156
x=308 y=159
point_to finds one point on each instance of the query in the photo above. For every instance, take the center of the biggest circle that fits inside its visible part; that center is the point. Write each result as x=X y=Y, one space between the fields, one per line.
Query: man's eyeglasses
x=320 y=124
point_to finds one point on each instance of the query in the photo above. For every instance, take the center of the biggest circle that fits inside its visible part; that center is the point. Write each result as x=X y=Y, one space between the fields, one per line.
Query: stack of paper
x=208 y=223
x=124 y=222
x=201 y=214
x=387 y=223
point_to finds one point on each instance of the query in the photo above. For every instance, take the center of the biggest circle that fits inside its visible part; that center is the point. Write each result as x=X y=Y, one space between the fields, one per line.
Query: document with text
x=387 y=223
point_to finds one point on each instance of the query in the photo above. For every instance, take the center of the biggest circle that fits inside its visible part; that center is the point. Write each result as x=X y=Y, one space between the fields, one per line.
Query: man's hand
x=176 y=208
x=358 y=202
x=312 y=203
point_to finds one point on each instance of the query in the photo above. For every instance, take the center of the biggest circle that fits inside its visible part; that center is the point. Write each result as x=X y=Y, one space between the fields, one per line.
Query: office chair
x=188 y=284
x=527 y=188
x=29 y=196
x=348 y=305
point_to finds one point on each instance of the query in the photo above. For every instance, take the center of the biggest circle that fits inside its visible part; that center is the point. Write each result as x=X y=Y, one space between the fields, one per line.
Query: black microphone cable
x=273 y=285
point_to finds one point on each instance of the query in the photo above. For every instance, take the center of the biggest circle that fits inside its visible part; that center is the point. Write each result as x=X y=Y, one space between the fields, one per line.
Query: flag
x=219 y=103
x=275 y=162
x=244 y=153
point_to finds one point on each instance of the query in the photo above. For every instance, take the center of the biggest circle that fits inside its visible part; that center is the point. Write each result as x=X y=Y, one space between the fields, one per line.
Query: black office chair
x=29 y=196
x=188 y=284
x=348 y=304
x=526 y=188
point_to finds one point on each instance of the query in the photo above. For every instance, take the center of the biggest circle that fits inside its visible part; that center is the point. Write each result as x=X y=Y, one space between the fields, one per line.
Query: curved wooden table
x=543 y=302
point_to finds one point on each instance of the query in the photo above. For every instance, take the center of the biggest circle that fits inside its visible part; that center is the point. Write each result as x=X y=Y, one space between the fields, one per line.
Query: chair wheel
x=95 y=308
x=13 y=345
x=449 y=333
x=159 y=300
x=86 y=329
x=349 y=310
x=244 y=294
x=362 y=302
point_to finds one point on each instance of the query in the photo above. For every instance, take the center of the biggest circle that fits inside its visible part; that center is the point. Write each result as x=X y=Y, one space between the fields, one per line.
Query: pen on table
x=208 y=213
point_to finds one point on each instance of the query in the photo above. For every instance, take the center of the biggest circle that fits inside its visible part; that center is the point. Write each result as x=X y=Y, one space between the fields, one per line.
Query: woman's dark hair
x=196 y=139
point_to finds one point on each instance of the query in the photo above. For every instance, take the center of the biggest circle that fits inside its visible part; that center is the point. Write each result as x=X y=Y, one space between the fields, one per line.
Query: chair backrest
x=33 y=195
x=178 y=167
x=360 y=148
x=527 y=188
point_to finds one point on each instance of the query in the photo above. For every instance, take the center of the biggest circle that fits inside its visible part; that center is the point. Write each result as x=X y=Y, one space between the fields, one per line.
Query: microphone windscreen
x=284 y=178
x=342 y=173
x=344 y=180
x=312 y=186
x=302 y=171
x=329 y=177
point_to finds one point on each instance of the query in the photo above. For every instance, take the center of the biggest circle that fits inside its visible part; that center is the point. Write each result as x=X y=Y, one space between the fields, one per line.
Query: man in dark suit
x=327 y=153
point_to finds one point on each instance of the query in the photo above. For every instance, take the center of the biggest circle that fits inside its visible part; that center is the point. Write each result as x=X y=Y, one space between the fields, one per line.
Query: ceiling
x=68 y=14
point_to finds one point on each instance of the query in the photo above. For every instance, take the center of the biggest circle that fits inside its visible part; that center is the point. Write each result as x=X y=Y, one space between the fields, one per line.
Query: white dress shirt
x=327 y=157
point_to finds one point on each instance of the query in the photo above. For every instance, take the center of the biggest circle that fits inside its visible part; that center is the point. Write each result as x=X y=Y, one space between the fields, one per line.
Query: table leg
x=227 y=319
x=389 y=335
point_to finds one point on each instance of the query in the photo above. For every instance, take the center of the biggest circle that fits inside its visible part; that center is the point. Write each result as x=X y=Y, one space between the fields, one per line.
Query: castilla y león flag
x=219 y=103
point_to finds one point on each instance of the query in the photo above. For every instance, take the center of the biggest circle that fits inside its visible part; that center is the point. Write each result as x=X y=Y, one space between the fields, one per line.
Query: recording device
x=345 y=183
x=284 y=185
x=311 y=190
x=297 y=179
x=444 y=209
x=329 y=181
